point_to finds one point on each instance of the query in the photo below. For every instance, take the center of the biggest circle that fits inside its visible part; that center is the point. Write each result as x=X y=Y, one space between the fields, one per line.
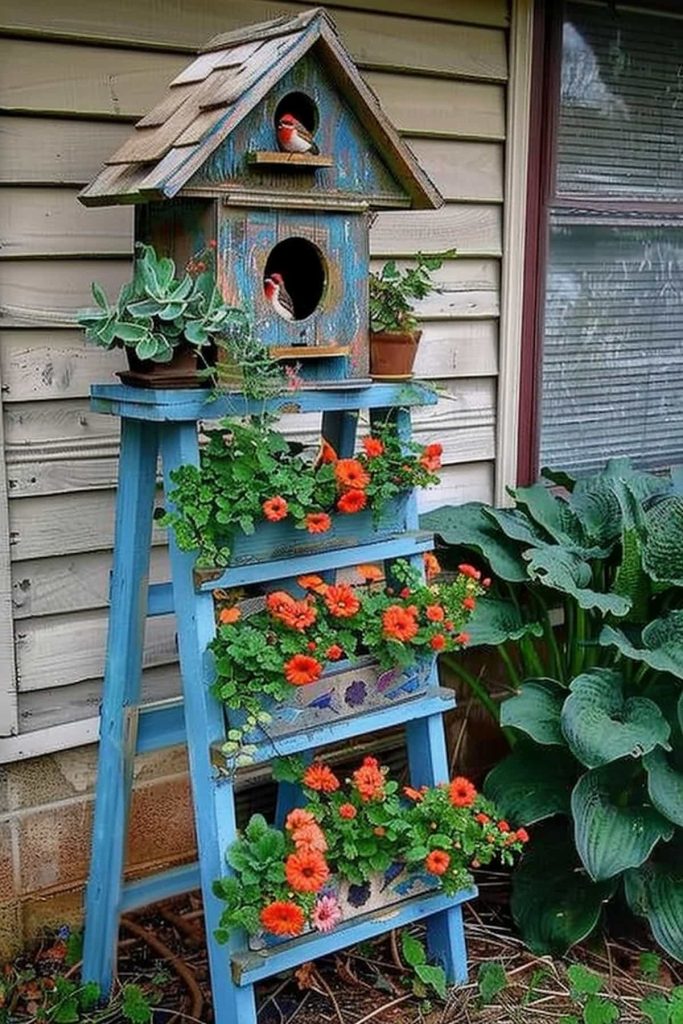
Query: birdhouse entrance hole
x=302 y=268
x=300 y=106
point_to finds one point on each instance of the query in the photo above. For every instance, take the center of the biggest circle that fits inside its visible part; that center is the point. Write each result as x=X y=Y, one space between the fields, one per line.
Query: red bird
x=293 y=137
x=278 y=296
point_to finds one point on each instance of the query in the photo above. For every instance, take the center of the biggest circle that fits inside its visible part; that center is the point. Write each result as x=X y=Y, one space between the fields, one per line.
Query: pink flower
x=326 y=914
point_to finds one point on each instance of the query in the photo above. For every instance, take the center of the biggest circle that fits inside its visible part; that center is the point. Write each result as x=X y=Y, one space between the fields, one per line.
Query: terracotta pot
x=392 y=354
x=183 y=371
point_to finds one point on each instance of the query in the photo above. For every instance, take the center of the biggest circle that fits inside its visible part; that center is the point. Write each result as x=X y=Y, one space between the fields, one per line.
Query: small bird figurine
x=278 y=296
x=293 y=137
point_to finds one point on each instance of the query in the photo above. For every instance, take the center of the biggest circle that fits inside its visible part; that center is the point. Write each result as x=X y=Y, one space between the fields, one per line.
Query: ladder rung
x=160 y=887
x=434 y=702
x=160 y=599
x=337 y=558
x=250 y=967
x=161 y=726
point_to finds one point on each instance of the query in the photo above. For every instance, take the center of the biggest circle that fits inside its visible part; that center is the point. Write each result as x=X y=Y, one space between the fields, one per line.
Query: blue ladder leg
x=214 y=799
x=428 y=763
x=121 y=692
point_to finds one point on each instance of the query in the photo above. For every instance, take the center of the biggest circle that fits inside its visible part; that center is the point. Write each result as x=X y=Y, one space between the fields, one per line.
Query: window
x=610 y=307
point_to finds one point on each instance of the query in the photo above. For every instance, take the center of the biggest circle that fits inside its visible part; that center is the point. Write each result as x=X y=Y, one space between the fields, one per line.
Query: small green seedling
x=427 y=975
x=584 y=986
x=649 y=965
x=491 y=980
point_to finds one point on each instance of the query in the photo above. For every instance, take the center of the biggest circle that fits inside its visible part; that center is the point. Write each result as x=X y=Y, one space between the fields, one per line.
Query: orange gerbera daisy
x=306 y=870
x=279 y=601
x=298 y=818
x=282 y=918
x=469 y=570
x=318 y=522
x=327 y=453
x=437 y=862
x=334 y=652
x=431 y=457
x=275 y=508
x=462 y=638
x=435 y=613
x=347 y=811
x=309 y=837
x=399 y=623
x=352 y=502
x=298 y=615
x=302 y=669
x=350 y=475
x=369 y=780
x=437 y=642
x=370 y=573
x=372 y=447
x=462 y=792
x=314 y=583
x=229 y=615
x=482 y=819
x=432 y=567
x=469 y=603
x=320 y=778
x=341 y=601
x=413 y=794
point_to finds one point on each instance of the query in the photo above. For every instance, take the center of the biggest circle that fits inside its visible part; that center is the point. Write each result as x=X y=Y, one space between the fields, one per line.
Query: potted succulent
x=394 y=336
x=177 y=330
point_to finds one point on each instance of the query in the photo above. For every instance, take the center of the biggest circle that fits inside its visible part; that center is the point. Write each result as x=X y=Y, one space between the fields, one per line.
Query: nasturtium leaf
x=660 y=647
x=663 y=549
x=655 y=891
x=468 y=526
x=601 y=725
x=614 y=828
x=564 y=571
x=554 y=902
x=536 y=710
x=532 y=783
x=495 y=621
x=665 y=786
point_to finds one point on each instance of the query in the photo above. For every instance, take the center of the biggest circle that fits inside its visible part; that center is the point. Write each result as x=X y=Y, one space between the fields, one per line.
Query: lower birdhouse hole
x=301 y=267
x=300 y=106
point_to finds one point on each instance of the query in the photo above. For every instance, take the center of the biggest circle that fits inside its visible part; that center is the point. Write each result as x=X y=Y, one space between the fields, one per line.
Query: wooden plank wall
x=73 y=77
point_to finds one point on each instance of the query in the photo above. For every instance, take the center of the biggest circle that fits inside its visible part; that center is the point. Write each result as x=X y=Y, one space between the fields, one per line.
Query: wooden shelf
x=265 y=157
x=308 y=351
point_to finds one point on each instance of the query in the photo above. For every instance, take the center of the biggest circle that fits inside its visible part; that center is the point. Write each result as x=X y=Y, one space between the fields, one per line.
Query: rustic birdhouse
x=271 y=144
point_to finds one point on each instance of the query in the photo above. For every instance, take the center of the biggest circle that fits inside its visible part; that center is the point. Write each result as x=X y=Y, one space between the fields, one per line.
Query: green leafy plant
x=663 y=1009
x=426 y=976
x=393 y=292
x=586 y=614
x=491 y=981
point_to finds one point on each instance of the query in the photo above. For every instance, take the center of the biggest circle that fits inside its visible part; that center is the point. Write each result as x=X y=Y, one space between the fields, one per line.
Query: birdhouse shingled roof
x=210 y=97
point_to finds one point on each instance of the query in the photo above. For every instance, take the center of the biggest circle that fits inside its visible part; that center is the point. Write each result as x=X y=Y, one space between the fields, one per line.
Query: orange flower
x=278 y=601
x=435 y=613
x=437 y=862
x=314 y=583
x=306 y=871
x=352 y=502
x=275 y=508
x=437 y=642
x=431 y=457
x=334 y=652
x=503 y=826
x=412 y=794
x=318 y=522
x=372 y=447
x=380 y=831
x=469 y=603
x=521 y=835
x=350 y=475
x=309 y=837
x=469 y=570
x=369 y=573
x=298 y=818
x=302 y=669
x=229 y=615
x=327 y=453
x=282 y=918
x=369 y=780
x=462 y=638
x=341 y=601
x=347 y=811
x=321 y=778
x=482 y=819
x=462 y=792
x=299 y=615
x=432 y=567
x=399 y=623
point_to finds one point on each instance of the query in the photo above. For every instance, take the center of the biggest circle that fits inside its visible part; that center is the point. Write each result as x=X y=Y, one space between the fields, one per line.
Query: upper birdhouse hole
x=302 y=268
x=300 y=106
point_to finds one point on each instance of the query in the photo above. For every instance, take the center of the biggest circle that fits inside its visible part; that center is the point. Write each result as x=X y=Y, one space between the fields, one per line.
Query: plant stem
x=551 y=640
x=533 y=666
x=513 y=674
x=578 y=651
x=475 y=685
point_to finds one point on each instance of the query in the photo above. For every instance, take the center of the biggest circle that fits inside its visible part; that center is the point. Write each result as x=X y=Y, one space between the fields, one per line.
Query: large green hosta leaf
x=665 y=786
x=494 y=621
x=601 y=725
x=468 y=526
x=661 y=643
x=516 y=525
x=532 y=783
x=614 y=830
x=655 y=891
x=536 y=710
x=554 y=902
x=558 y=518
x=663 y=551
x=564 y=571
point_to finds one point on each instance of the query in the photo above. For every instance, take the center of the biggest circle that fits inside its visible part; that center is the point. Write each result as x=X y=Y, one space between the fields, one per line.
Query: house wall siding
x=73 y=78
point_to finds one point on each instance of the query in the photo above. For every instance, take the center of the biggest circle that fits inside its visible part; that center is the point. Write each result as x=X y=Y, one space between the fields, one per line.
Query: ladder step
x=249 y=967
x=336 y=558
x=434 y=702
x=160 y=887
x=160 y=599
x=159 y=726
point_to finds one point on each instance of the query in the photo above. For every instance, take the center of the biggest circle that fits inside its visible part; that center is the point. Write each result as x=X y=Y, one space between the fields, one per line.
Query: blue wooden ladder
x=164 y=423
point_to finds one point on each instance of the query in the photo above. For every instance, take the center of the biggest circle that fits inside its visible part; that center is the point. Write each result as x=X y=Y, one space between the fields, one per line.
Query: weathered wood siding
x=73 y=77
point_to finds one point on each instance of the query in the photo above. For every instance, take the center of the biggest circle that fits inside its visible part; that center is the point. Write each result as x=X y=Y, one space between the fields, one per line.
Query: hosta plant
x=587 y=614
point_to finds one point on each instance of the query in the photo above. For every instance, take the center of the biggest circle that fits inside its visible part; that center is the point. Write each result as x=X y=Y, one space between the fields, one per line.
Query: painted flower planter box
x=275 y=541
x=349 y=688
x=379 y=892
